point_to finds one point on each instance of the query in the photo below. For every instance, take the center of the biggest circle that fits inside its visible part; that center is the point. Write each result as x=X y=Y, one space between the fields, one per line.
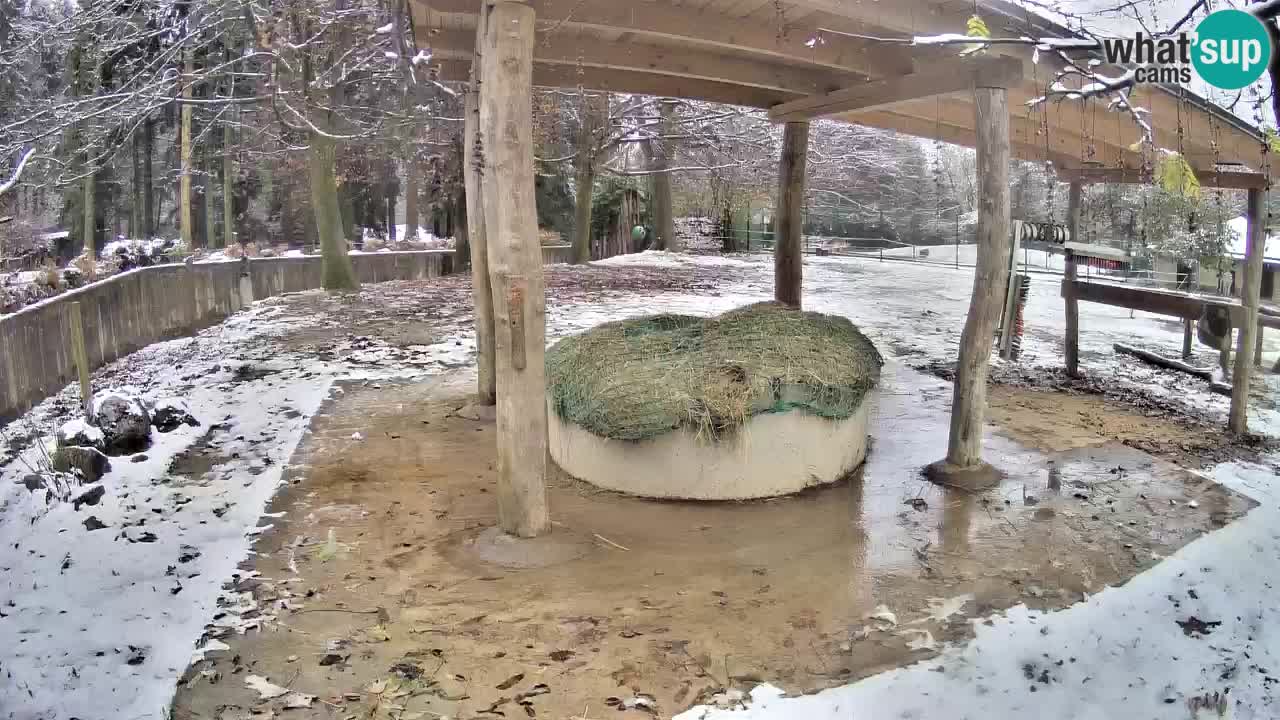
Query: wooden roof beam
x=999 y=72
x=630 y=81
x=571 y=49
x=952 y=134
x=1224 y=179
x=663 y=20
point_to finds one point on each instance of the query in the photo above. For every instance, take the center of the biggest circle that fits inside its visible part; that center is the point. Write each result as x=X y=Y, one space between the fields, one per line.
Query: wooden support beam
x=1026 y=138
x=1132 y=297
x=1188 y=331
x=1225 y=179
x=1071 y=343
x=1238 y=421
x=788 y=247
x=579 y=50
x=991 y=110
x=994 y=72
x=515 y=266
x=658 y=19
x=638 y=82
x=472 y=157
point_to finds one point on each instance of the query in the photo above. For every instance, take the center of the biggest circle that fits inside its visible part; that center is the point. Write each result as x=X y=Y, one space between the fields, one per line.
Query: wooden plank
x=515 y=262
x=577 y=50
x=964 y=449
x=788 y=249
x=1164 y=362
x=964 y=75
x=481 y=292
x=640 y=83
x=1174 y=304
x=1238 y=420
x=1225 y=179
x=1071 y=343
x=1025 y=139
x=698 y=29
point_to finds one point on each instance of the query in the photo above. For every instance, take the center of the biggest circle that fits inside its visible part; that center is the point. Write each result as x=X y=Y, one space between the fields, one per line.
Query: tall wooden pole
x=1238 y=421
x=964 y=449
x=788 y=246
x=473 y=159
x=515 y=267
x=1072 y=340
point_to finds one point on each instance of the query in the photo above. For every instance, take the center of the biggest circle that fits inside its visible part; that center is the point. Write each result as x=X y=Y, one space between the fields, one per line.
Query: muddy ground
x=382 y=591
x=416 y=608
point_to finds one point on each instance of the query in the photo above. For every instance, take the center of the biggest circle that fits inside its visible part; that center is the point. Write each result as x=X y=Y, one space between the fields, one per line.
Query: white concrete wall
x=772 y=454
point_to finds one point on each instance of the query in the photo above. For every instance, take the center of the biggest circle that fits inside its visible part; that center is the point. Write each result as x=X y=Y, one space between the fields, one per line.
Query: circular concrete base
x=974 y=477
x=770 y=455
x=495 y=547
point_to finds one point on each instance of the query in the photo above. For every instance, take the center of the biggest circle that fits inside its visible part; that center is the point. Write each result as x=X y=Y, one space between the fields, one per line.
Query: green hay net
x=646 y=376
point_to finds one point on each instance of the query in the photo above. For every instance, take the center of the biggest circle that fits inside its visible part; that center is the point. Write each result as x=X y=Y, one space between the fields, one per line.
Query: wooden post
x=1072 y=340
x=472 y=162
x=1250 y=290
x=788 y=241
x=1257 y=348
x=964 y=449
x=82 y=360
x=1187 y=329
x=515 y=265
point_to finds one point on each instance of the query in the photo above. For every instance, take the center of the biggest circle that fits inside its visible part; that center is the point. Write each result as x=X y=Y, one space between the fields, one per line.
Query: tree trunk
x=584 y=179
x=89 y=205
x=211 y=236
x=664 y=226
x=461 y=234
x=592 y=112
x=135 y=195
x=788 y=247
x=392 y=190
x=473 y=159
x=186 y=221
x=148 y=188
x=969 y=401
x=506 y=105
x=410 y=200
x=228 y=187
x=336 y=270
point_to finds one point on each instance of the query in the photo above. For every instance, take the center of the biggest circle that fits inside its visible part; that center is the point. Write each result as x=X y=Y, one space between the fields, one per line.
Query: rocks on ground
x=124 y=421
x=171 y=413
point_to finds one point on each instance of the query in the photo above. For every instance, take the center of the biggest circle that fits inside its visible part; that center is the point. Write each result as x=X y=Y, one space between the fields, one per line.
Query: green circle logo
x=1231 y=50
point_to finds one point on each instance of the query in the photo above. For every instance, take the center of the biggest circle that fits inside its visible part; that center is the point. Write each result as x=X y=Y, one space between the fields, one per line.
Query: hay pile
x=643 y=377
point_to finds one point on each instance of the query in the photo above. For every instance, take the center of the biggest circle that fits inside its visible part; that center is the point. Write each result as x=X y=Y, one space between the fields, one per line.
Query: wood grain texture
x=1238 y=421
x=1072 y=339
x=788 y=247
x=991 y=107
x=515 y=267
x=472 y=159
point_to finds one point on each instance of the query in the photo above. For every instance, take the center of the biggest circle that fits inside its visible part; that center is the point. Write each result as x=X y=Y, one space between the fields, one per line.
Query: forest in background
x=221 y=124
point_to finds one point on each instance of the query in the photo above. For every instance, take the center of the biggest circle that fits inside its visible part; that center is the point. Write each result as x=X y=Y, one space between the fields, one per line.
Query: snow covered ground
x=100 y=618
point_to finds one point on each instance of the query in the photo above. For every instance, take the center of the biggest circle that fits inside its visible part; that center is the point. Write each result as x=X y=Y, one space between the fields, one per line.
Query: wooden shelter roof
x=764 y=53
